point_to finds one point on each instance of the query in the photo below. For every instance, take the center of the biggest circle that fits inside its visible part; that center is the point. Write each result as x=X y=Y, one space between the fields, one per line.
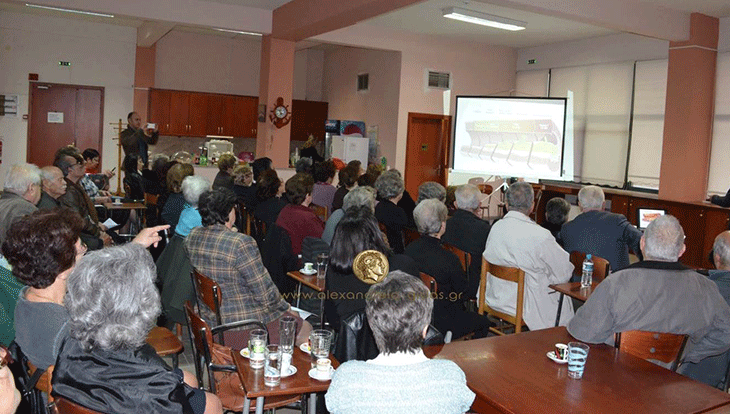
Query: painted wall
x=379 y=105
x=100 y=55
x=475 y=69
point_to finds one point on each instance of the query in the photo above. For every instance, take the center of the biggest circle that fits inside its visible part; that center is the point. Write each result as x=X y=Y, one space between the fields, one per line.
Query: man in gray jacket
x=658 y=294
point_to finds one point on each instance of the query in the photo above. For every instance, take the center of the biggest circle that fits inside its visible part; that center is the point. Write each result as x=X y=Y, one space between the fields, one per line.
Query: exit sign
x=531 y=61
x=63 y=63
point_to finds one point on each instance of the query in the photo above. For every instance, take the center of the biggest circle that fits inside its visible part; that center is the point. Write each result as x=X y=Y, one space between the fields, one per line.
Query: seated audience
x=517 y=241
x=658 y=294
x=466 y=231
x=429 y=190
x=401 y=379
x=173 y=265
x=260 y=165
x=297 y=218
x=324 y=192
x=359 y=196
x=268 y=192
x=346 y=181
x=600 y=233
x=9 y=394
x=105 y=364
x=444 y=266
x=556 y=214
x=356 y=232
x=43 y=249
x=243 y=186
x=356 y=165
x=175 y=202
x=712 y=370
x=232 y=259
x=370 y=176
x=156 y=176
x=21 y=193
x=390 y=190
x=89 y=181
x=134 y=183
x=53 y=186
x=71 y=165
x=304 y=165
x=224 y=178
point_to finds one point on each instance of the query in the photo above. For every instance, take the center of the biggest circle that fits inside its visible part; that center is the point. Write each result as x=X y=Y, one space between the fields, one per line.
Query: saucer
x=304 y=347
x=245 y=353
x=292 y=371
x=555 y=359
x=308 y=272
x=314 y=373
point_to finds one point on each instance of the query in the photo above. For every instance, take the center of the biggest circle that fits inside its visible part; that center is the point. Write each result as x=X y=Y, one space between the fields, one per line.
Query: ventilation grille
x=440 y=80
x=363 y=82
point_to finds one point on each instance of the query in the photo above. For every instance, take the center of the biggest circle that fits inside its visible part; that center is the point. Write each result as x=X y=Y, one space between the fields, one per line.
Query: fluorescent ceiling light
x=483 y=19
x=237 y=32
x=38 y=6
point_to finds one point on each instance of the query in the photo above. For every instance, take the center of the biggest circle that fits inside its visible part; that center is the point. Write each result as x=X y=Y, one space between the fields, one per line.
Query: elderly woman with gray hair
x=390 y=189
x=429 y=190
x=359 y=196
x=444 y=266
x=401 y=379
x=173 y=265
x=105 y=364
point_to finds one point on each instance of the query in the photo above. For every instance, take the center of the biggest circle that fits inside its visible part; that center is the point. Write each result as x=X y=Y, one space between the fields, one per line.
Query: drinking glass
x=272 y=366
x=287 y=333
x=323 y=260
x=257 y=348
x=320 y=340
x=577 y=356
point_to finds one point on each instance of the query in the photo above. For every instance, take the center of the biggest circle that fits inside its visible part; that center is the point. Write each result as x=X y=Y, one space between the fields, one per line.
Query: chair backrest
x=476 y=180
x=464 y=257
x=663 y=347
x=601 y=267
x=44 y=382
x=209 y=292
x=511 y=274
x=244 y=218
x=64 y=406
x=150 y=199
x=199 y=333
x=430 y=282
x=409 y=235
x=485 y=188
x=319 y=211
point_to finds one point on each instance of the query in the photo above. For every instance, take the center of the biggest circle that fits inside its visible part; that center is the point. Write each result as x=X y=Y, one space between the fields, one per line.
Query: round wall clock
x=280 y=114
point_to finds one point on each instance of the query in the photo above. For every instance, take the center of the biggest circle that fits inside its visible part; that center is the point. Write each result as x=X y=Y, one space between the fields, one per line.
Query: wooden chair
x=64 y=406
x=150 y=200
x=409 y=235
x=221 y=377
x=243 y=217
x=663 y=347
x=485 y=188
x=44 y=381
x=208 y=291
x=601 y=267
x=511 y=274
x=320 y=211
x=464 y=257
x=430 y=283
x=165 y=343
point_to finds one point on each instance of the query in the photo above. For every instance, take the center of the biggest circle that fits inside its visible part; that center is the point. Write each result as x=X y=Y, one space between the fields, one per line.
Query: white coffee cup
x=309 y=267
x=323 y=367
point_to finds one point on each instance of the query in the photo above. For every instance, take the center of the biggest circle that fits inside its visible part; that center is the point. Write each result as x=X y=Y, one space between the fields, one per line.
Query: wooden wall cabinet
x=197 y=114
x=308 y=117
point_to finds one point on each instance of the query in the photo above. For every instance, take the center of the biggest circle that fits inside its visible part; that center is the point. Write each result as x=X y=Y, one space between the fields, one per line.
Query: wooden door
x=215 y=115
x=197 y=114
x=229 y=123
x=158 y=111
x=61 y=115
x=427 y=154
x=179 y=112
x=245 y=116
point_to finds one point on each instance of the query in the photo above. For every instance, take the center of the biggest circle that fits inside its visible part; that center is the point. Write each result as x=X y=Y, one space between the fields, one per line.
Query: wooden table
x=299 y=383
x=313 y=282
x=140 y=207
x=573 y=290
x=512 y=374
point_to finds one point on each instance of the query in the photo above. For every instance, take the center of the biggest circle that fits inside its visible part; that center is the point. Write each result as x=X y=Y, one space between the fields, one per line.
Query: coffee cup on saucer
x=309 y=267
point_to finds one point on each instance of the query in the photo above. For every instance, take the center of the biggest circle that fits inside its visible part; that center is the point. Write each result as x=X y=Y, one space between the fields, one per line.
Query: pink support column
x=144 y=78
x=689 y=112
x=277 y=77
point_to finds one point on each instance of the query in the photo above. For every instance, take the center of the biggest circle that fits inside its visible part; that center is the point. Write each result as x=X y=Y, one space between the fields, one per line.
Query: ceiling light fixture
x=483 y=19
x=237 y=32
x=38 y=6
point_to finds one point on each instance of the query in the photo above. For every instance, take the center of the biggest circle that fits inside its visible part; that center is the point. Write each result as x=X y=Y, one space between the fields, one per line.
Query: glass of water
x=257 y=348
x=323 y=260
x=272 y=366
x=577 y=356
x=287 y=333
x=320 y=340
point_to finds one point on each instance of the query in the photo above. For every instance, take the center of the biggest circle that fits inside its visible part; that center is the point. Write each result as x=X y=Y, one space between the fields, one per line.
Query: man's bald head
x=663 y=240
x=721 y=250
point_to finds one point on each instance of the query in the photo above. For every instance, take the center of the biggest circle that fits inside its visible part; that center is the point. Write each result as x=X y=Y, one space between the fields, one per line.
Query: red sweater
x=299 y=222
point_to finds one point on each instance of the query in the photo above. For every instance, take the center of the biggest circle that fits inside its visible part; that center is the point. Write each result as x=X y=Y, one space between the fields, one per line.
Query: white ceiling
x=425 y=18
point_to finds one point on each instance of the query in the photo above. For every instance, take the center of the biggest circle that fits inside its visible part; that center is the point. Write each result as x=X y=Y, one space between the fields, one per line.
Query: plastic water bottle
x=586 y=278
